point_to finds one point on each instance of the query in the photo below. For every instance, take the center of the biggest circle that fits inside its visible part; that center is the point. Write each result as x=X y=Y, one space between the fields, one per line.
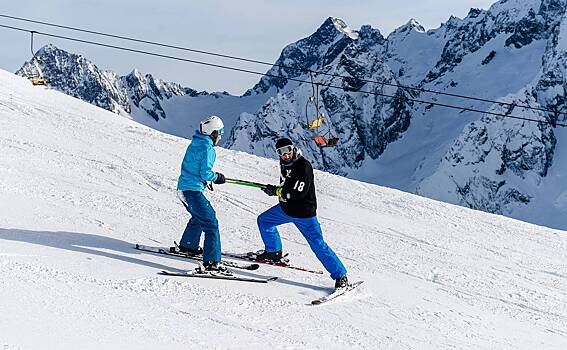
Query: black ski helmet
x=284 y=141
x=284 y=146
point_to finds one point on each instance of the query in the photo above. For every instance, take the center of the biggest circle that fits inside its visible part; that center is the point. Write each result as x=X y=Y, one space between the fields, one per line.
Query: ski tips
x=336 y=293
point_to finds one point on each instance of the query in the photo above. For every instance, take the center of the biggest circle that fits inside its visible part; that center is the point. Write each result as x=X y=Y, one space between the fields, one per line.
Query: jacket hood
x=199 y=138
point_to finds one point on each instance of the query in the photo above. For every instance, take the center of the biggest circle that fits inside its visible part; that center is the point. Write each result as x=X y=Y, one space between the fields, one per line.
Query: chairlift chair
x=38 y=81
x=322 y=141
x=317 y=122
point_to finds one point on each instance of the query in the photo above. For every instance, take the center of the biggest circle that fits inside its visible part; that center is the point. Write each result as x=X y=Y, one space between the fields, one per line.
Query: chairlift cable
x=446 y=105
x=307 y=70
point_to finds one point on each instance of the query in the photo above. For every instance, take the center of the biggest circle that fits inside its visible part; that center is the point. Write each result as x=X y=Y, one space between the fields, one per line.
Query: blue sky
x=252 y=28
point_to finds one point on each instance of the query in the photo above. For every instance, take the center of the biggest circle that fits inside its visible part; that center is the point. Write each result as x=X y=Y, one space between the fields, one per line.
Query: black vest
x=298 y=189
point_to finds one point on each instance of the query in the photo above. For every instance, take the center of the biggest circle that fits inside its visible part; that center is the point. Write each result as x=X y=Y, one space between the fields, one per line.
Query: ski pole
x=245 y=183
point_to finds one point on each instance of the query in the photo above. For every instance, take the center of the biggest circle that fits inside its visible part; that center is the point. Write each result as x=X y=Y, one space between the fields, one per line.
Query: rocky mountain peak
x=77 y=76
x=413 y=24
x=328 y=32
x=368 y=36
x=312 y=52
x=342 y=27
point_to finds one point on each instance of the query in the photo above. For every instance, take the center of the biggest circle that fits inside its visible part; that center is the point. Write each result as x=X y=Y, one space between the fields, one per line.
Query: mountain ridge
x=393 y=141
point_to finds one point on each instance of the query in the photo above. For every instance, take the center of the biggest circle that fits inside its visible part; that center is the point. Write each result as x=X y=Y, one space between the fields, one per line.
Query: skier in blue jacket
x=196 y=173
x=297 y=205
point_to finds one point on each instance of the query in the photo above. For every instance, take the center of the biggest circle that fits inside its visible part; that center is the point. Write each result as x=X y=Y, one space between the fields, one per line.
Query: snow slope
x=78 y=187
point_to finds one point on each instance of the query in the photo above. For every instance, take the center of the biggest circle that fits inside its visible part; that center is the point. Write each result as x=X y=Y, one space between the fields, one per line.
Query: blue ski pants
x=309 y=228
x=203 y=219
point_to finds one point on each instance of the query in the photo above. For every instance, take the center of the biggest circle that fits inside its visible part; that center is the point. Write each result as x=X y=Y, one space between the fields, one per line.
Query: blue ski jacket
x=197 y=166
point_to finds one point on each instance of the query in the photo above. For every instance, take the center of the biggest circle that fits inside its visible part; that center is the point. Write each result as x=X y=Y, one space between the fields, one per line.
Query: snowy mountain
x=459 y=156
x=165 y=106
x=422 y=148
x=366 y=123
x=513 y=167
x=79 y=187
x=313 y=52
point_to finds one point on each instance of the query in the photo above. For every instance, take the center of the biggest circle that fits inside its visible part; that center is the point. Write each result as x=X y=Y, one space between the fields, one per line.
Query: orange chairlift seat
x=322 y=141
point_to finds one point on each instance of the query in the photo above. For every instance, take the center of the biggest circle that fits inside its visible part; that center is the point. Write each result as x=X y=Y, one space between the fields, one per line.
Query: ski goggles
x=221 y=131
x=284 y=150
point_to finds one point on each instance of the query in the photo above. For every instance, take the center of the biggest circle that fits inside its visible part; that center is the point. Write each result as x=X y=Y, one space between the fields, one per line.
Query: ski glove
x=270 y=190
x=220 y=179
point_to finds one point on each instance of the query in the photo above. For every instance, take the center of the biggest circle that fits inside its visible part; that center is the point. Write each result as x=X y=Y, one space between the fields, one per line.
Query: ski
x=215 y=276
x=336 y=293
x=166 y=251
x=251 y=256
x=246 y=256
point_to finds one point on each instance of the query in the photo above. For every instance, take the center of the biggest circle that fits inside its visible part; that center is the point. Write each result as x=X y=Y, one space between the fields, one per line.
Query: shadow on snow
x=103 y=246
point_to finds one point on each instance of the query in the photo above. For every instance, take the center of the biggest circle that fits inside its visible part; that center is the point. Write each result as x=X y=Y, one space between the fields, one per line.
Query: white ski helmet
x=211 y=124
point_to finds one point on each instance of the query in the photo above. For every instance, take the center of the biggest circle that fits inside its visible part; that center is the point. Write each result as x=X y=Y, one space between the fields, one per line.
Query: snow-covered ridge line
x=343 y=27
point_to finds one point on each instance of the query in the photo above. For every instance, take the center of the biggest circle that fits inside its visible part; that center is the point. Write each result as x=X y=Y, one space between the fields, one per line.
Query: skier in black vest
x=297 y=204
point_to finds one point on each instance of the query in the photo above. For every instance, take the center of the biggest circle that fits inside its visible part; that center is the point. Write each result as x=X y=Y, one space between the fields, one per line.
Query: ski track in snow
x=80 y=186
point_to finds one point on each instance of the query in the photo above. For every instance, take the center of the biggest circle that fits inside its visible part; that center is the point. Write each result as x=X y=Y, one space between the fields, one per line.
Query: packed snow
x=79 y=186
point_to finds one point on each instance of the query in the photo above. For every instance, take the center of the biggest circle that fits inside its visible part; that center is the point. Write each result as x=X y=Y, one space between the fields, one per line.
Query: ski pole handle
x=245 y=183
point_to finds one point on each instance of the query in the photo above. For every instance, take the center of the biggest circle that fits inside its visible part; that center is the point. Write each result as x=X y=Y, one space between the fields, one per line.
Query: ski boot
x=213 y=268
x=270 y=257
x=341 y=282
x=188 y=251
